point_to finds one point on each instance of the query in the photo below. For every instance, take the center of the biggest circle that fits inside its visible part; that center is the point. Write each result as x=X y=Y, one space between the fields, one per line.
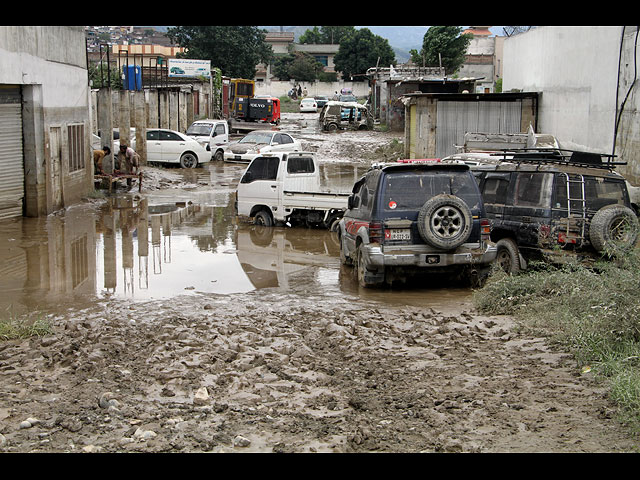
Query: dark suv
x=555 y=205
x=416 y=217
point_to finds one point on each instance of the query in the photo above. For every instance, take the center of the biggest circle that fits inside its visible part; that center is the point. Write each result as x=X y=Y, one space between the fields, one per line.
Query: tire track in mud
x=289 y=373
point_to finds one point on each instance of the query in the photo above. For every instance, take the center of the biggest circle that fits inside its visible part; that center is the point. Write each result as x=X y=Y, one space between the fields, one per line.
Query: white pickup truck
x=213 y=135
x=284 y=189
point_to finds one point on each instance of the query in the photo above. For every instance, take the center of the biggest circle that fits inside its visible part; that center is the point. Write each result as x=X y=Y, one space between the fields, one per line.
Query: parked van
x=213 y=135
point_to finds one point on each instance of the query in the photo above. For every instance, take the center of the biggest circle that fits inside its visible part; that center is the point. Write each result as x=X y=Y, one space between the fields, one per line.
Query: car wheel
x=263 y=218
x=333 y=223
x=344 y=259
x=219 y=156
x=613 y=226
x=332 y=127
x=445 y=221
x=188 y=160
x=508 y=256
x=361 y=268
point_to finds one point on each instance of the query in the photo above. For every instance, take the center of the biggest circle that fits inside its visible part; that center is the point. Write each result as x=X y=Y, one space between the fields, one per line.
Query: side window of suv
x=533 y=189
x=494 y=189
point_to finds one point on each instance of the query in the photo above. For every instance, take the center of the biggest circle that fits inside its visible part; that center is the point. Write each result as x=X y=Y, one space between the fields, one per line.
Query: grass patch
x=288 y=105
x=390 y=152
x=13 y=328
x=594 y=313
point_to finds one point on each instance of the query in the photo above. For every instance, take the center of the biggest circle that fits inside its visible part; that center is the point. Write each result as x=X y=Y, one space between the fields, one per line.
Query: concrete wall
x=584 y=74
x=280 y=88
x=575 y=69
x=49 y=63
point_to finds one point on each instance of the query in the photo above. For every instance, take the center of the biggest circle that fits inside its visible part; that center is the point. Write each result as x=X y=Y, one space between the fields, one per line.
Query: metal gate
x=455 y=118
x=11 y=158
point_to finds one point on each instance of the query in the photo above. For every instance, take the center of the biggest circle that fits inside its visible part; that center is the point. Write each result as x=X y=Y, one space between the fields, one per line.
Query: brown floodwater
x=180 y=241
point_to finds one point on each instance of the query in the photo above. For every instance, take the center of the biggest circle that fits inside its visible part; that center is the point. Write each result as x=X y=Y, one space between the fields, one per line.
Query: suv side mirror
x=352 y=202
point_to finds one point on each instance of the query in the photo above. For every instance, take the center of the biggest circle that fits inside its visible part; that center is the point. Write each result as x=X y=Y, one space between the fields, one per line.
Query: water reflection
x=135 y=247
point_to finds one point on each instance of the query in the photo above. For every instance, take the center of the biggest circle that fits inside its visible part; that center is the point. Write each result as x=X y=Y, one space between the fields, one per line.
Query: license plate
x=238 y=157
x=399 y=234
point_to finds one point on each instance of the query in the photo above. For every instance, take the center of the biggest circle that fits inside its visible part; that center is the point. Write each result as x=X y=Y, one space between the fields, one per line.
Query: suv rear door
x=528 y=205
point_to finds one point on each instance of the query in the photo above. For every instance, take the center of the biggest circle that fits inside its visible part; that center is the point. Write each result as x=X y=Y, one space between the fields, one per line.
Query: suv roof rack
x=560 y=156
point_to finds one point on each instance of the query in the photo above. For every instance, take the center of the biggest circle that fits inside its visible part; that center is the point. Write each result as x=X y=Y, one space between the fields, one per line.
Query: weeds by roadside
x=592 y=312
x=12 y=327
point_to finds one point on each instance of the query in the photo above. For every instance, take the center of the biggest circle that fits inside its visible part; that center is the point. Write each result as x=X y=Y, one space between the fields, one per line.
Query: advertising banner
x=185 y=67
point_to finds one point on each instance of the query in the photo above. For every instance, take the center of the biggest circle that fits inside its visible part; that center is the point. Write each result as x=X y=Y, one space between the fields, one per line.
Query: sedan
x=308 y=105
x=259 y=142
x=321 y=100
x=169 y=146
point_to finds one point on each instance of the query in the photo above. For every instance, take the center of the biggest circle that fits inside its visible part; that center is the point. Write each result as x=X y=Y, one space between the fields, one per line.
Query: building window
x=76 y=147
x=323 y=59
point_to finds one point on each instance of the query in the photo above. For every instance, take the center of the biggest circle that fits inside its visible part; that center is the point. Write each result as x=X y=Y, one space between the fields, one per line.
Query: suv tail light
x=485 y=229
x=376 y=233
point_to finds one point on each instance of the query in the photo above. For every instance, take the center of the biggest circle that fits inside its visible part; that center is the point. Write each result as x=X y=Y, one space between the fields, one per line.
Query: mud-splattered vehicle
x=555 y=205
x=345 y=116
x=416 y=217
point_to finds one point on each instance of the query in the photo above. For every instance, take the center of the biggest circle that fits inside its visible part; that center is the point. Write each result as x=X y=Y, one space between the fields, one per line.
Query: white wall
x=53 y=57
x=575 y=68
x=279 y=88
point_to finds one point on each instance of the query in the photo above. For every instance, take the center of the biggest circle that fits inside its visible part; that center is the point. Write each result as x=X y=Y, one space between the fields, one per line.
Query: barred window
x=76 y=147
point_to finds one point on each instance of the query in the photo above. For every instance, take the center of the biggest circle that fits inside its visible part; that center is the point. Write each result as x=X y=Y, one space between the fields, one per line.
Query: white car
x=259 y=142
x=169 y=146
x=308 y=105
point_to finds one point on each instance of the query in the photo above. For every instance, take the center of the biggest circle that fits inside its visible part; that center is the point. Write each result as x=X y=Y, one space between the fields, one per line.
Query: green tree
x=329 y=34
x=304 y=67
x=281 y=66
x=236 y=50
x=445 y=42
x=299 y=66
x=312 y=36
x=100 y=76
x=361 y=50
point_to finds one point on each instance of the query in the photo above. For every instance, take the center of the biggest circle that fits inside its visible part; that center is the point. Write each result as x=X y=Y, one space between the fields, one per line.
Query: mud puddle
x=186 y=241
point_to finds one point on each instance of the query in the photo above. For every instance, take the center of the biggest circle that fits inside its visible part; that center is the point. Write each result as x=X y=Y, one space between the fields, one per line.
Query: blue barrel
x=132 y=77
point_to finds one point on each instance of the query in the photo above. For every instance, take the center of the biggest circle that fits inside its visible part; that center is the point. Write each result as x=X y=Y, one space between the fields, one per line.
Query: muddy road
x=177 y=329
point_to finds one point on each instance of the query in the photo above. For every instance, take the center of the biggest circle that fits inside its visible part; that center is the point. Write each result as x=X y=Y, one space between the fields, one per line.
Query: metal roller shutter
x=455 y=118
x=11 y=158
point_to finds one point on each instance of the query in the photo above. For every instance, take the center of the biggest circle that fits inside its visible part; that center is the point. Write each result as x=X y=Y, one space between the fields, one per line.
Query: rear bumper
x=472 y=254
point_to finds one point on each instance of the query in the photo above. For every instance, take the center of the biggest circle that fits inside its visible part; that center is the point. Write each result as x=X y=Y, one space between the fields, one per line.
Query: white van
x=213 y=135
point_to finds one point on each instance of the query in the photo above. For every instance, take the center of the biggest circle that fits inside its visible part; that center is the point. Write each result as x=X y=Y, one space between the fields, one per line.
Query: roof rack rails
x=559 y=156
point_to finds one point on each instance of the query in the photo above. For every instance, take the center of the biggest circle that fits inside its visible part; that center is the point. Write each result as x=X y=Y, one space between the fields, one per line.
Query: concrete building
x=45 y=154
x=587 y=77
x=283 y=43
x=481 y=59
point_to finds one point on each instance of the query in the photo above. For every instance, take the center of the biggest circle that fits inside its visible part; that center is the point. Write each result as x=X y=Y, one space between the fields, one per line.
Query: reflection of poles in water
x=110 y=263
x=166 y=238
x=127 y=259
x=155 y=243
x=126 y=226
x=143 y=245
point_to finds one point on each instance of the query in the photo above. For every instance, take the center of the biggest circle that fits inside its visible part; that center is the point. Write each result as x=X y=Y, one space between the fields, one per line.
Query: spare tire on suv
x=445 y=221
x=613 y=226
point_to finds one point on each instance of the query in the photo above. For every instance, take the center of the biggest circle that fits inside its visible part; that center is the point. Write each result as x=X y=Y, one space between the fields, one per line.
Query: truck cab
x=285 y=189
x=213 y=135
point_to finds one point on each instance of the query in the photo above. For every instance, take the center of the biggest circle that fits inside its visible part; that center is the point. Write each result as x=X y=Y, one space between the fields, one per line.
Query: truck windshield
x=410 y=190
x=200 y=129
